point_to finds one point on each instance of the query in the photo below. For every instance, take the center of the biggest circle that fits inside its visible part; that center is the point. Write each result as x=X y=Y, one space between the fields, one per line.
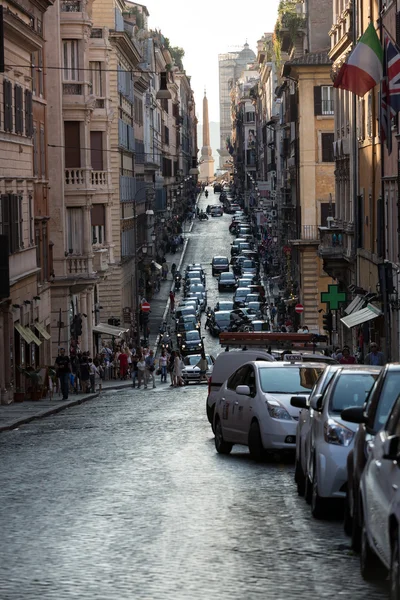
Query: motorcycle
x=178 y=282
x=166 y=342
x=163 y=328
x=203 y=216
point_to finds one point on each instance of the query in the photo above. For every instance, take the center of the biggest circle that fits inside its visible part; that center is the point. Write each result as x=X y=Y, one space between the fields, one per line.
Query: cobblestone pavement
x=125 y=498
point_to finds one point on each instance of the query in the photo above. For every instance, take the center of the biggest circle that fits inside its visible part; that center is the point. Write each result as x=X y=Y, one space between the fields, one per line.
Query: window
x=327 y=147
x=96 y=78
x=42 y=152
x=327 y=210
x=7 y=101
x=250 y=158
x=28 y=114
x=75 y=230
x=71 y=63
x=292 y=380
x=72 y=144
x=35 y=152
x=250 y=117
x=19 y=109
x=164 y=104
x=166 y=135
x=31 y=220
x=237 y=378
x=138 y=111
x=327 y=99
x=351 y=390
x=96 y=150
x=40 y=72
x=11 y=221
x=98 y=220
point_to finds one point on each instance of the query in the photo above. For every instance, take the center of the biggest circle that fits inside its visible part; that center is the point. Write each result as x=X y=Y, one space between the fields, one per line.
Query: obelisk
x=206 y=159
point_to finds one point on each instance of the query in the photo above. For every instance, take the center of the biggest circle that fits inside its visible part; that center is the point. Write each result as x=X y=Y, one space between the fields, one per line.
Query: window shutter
x=35 y=152
x=293 y=107
x=98 y=215
x=72 y=144
x=14 y=223
x=96 y=150
x=28 y=114
x=42 y=153
x=19 y=121
x=327 y=147
x=398 y=28
x=4 y=267
x=317 y=100
x=7 y=100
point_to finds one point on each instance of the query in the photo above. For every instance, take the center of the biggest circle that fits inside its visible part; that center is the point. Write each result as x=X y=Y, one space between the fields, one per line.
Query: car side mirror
x=391 y=447
x=353 y=414
x=299 y=402
x=316 y=402
x=243 y=390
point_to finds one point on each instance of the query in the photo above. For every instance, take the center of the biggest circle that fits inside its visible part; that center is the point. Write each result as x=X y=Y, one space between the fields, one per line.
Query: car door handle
x=236 y=403
x=378 y=464
x=395 y=487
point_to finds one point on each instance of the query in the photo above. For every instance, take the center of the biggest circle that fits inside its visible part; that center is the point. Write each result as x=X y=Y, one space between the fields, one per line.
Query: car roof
x=287 y=365
x=223 y=312
x=224 y=257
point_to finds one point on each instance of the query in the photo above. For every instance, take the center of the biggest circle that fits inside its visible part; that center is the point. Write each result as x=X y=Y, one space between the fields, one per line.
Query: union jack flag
x=390 y=89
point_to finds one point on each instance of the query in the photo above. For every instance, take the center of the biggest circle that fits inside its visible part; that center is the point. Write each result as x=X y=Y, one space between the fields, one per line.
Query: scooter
x=203 y=216
x=178 y=282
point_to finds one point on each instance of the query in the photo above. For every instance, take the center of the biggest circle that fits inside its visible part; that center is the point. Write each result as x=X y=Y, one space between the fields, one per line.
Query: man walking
x=150 y=368
x=374 y=357
x=172 y=301
x=63 y=368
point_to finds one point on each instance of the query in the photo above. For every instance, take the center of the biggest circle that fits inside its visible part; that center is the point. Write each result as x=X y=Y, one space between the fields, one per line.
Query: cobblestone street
x=125 y=497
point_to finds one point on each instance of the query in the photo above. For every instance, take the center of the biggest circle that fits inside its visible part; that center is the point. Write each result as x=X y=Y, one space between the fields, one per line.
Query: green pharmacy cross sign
x=333 y=297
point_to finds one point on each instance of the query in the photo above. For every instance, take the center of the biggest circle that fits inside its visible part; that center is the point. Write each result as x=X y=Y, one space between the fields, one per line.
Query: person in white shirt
x=141 y=366
x=93 y=372
x=162 y=363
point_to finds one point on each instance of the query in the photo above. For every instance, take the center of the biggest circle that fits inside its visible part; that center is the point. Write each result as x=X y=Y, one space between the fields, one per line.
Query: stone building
x=24 y=198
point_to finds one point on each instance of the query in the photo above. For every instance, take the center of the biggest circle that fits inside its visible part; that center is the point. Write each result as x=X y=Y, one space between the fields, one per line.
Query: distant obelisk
x=206 y=159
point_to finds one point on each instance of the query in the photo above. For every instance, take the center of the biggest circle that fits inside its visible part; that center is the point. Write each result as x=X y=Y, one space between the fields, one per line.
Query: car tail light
x=209 y=385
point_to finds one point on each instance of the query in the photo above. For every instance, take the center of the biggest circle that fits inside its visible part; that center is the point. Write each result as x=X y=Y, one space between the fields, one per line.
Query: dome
x=246 y=55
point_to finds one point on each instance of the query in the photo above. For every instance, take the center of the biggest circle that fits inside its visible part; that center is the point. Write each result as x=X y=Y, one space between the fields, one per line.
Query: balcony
x=77 y=265
x=71 y=6
x=85 y=179
x=309 y=235
x=100 y=260
x=99 y=178
x=72 y=89
x=22 y=264
x=331 y=244
x=75 y=177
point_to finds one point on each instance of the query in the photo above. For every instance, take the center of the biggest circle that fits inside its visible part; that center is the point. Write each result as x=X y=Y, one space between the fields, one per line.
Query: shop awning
x=27 y=334
x=109 y=330
x=42 y=330
x=361 y=316
x=355 y=305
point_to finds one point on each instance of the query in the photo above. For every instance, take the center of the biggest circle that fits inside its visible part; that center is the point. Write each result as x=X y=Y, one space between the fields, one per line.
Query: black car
x=191 y=342
x=372 y=417
x=219 y=322
x=219 y=264
x=226 y=282
x=239 y=298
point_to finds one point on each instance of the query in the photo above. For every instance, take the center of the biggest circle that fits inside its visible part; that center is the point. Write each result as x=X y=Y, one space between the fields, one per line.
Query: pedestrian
x=347 y=358
x=172 y=301
x=164 y=271
x=93 y=372
x=337 y=353
x=170 y=368
x=173 y=270
x=85 y=373
x=178 y=366
x=63 y=370
x=141 y=366
x=162 y=363
x=134 y=369
x=123 y=364
x=203 y=366
x=374 y=357
x=150 y=368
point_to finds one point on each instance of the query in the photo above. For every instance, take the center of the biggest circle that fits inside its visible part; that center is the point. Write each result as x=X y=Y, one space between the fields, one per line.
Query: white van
x=225 y=364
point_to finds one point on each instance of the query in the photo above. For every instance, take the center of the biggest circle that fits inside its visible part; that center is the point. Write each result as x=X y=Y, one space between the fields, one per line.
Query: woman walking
x=203 y=366
x=178 y=365
x=170 y=368
x=141 y=365
x=162 y=363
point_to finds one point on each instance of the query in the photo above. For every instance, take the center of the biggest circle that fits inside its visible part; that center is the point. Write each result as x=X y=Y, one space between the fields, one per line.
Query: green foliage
x=134 y=10
x=33 y=375
x=177 y=54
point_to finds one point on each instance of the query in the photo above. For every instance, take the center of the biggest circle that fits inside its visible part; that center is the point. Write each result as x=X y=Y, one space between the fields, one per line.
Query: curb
x=56 y=409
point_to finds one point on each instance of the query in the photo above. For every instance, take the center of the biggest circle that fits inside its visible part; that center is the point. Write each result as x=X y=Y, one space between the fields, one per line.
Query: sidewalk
x=18 y=413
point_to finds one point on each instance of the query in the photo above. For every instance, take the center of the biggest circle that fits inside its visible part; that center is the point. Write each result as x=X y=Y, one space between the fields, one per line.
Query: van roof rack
x=278 y=340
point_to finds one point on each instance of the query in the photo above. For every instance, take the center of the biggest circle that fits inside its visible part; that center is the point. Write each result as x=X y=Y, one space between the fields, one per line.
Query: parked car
x=190 y=275
x=220 y=321
x=191 y=373
x=184 y=312
x=331 y=439
x=191 y=342
x=226 y=282
x=371 y=418
x=253 y=406
x=217 y=211
x=380 y=505
x=225 y=364
x=239 y=298
x=219 y=264
x=223 y=305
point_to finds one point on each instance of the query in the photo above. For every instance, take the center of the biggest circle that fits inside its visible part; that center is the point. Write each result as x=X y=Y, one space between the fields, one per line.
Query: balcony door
x=72 y=142
x=96 y=150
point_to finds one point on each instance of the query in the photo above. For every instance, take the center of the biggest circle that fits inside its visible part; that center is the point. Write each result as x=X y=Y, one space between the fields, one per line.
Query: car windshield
x=222 y=318
x=248 y=264
x=220 y=261
x=260 y=326
x=388 y=396
x=225 y=306
x=289 y=380
x=194 y=275
x=351 y=389
x=191 y=336
x=193 y=359
x=226 y=276
x=186 y=326
x=242 y=292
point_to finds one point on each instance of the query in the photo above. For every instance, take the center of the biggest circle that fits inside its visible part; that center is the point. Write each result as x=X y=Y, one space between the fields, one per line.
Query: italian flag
x=363 y=70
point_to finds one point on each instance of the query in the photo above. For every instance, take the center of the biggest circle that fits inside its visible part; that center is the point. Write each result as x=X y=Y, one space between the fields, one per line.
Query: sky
x=208 y=28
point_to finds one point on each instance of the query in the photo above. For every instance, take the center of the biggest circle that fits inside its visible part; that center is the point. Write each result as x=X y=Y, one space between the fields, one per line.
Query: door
x=72 y=144
x=230 y=407
x=246 y=405
x=96 y=150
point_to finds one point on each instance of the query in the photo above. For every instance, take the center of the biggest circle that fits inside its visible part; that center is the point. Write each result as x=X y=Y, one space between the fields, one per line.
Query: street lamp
x=163 y=93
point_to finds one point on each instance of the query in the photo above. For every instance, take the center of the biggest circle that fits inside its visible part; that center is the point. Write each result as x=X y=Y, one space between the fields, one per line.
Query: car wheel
x=370 y=566
x=221 y=446
x=317 y=503
x=395 y=568
x=300 y=479
x=255 y=444
x=348 y=520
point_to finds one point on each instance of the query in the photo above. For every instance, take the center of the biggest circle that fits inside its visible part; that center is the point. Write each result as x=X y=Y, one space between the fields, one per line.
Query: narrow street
x=126 y=498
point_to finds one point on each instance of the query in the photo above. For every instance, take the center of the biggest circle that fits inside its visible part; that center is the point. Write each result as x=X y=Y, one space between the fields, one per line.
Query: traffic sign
x=145 y=306
x=299 y=308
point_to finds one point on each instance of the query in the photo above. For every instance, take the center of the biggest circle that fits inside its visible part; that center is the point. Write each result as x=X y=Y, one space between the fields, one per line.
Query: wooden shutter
x=317 y=100
x=293 y=107
x=42 y=152
x=35 y=152
x=14 y=223
x=7 y=100
x=325 y=208
x=19 y=119
x=98 y=215
x=28 y=113
x=96 y=150
x=72 y=144
x=4 y=267
x=327 y=147
x=5 y=215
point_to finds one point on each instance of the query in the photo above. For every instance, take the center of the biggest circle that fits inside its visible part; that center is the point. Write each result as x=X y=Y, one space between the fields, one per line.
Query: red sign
x=299 y=308
x=145 y=307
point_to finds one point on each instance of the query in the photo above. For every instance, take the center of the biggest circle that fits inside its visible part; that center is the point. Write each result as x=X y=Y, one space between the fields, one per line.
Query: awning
x=361 y=316
x=27 y=334
x=157 y=265
x=109 y=330
x=355 y=305
x=42 y=330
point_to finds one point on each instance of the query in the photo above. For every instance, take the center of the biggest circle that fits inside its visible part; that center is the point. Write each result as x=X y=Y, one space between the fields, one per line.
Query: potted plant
x=19 y=395
x=35 y=386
